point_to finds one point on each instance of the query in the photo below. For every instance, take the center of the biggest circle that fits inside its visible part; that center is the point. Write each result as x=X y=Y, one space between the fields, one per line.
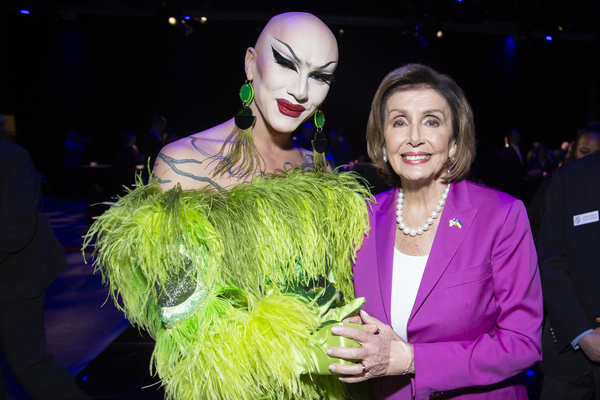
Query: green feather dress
x=239 y=288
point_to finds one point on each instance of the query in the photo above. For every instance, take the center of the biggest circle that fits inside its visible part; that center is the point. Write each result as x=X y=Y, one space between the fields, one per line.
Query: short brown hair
x=419 y=76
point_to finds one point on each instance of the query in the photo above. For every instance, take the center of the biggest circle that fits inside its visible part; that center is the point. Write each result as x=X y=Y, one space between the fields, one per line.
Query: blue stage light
x=187 y=18
x=529 y=372
x=549 y=38
x=23 y=11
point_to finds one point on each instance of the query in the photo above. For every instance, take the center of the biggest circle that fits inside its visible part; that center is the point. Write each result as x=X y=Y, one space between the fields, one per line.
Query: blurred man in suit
x=569 y=259
x=30 y=257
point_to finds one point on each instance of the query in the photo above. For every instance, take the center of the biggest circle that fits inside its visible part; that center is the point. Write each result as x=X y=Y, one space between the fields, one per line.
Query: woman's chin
x=420 y=180
x=286 y=127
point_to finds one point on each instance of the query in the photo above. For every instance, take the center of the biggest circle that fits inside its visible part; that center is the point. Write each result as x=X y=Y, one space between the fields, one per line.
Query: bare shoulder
x=189 y=161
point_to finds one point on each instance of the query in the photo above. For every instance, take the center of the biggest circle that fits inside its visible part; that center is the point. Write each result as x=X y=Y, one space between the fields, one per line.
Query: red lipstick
x=289 y=109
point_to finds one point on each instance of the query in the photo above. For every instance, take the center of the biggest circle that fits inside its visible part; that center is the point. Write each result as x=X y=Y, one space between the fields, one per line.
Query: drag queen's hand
x=383 y=352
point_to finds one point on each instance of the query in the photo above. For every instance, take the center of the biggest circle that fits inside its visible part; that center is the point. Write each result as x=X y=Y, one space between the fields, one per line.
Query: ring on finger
x=364 y=368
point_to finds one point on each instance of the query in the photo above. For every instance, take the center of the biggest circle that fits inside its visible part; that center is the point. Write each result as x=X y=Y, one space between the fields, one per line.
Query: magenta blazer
x=476 y=321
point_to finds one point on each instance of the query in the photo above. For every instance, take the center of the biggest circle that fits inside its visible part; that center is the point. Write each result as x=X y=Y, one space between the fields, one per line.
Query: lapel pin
x=456 y=222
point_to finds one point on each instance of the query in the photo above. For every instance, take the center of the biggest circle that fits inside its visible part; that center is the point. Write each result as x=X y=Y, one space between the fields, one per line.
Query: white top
x=406 y=279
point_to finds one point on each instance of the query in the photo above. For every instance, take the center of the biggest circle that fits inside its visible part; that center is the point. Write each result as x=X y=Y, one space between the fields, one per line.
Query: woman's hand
x=353 y=319
x=356 y=319
x=383 y=352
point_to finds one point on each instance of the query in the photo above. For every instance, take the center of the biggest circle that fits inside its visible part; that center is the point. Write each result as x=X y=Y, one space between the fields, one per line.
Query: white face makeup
x=291 y=68
x=417 y=129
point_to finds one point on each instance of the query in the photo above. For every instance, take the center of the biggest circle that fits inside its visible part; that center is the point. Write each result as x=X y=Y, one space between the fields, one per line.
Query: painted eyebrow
x=291 y=51
x=300 y=61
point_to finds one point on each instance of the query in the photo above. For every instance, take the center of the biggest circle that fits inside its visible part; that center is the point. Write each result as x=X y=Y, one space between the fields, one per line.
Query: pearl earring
x=451 y=161
x=385 y=159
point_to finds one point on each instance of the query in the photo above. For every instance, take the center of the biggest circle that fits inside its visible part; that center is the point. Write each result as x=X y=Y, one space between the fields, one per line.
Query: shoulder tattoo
x=173 y=164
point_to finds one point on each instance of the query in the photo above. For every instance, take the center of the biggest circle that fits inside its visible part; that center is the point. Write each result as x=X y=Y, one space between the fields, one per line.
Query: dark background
x=104 y=68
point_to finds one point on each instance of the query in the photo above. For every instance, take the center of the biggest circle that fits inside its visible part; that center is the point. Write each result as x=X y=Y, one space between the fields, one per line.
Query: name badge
x=586 y=218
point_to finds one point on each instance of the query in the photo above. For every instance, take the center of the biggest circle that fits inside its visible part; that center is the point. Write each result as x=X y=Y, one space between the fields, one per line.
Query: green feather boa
x=247 y=252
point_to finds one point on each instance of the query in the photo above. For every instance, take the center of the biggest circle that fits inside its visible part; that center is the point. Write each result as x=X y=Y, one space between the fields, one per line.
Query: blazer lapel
x=385 y=220
x=447 y=240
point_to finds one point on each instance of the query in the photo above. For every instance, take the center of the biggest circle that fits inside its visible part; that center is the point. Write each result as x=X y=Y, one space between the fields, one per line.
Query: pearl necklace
x=428 y=223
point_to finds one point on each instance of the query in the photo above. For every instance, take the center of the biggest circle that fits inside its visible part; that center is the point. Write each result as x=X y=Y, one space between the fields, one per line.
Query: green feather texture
x=247 y=249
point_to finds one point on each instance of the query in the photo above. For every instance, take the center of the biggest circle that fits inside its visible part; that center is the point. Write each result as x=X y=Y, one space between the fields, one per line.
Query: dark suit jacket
x=569 y=259
x=30 y=254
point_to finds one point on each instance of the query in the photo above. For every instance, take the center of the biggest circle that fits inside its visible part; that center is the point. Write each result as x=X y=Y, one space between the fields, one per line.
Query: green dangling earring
x=244 y=118
x=319 y=118
x=319 y=143
x=242 y=157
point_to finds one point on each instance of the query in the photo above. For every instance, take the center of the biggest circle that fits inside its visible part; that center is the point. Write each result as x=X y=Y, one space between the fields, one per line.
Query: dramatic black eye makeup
x=281 y=60
x=324 y=77
x=320 y=76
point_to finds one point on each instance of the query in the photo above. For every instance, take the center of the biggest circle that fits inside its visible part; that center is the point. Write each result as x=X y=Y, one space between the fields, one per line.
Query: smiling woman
x=455 y=302
x=418 y=135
